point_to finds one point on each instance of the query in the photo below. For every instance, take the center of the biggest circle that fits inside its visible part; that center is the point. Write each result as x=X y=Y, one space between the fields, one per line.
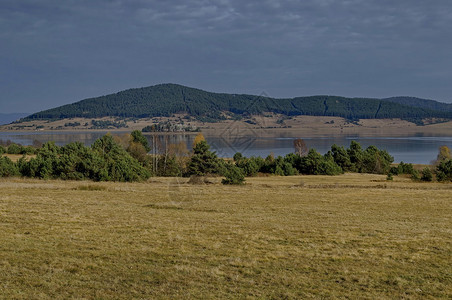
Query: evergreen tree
x=204 y=162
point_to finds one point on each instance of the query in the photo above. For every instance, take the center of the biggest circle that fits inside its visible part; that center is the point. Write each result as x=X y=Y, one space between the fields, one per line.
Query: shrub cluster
x=17 y=149
x=336 y=161
x=105 y=160
x=127 y=158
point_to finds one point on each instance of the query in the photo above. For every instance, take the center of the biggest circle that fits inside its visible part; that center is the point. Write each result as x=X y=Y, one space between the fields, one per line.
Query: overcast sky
x=54 y=52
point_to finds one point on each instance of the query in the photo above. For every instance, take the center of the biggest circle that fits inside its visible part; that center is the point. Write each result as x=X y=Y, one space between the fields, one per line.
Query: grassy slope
x=277 y=237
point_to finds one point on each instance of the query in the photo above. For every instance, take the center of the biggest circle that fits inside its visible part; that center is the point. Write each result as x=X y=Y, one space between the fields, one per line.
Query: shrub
x=248 y=166
x=14 y=149
x=237 y=156
x=375 y=161
x=316 y=164
x=204 y=162
x=427 y=174
x=415 y=175
x=389 y=177
x=444 y=171
x=29 y=150
x=104 y=161
x=404 y=168
x=138 y=137
x=234 y=175
x=118 y=164
x=8 y=168
x=341 y=157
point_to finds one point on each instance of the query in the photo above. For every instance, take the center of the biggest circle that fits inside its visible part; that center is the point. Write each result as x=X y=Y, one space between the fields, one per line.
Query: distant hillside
x=8 y=118
x=167 y=99
x=422 y=103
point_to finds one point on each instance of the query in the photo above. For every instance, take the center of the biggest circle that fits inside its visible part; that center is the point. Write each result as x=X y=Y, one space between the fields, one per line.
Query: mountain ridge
x=167 y=99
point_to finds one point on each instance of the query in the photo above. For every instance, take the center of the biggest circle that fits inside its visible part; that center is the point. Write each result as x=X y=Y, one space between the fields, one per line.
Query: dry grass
x=350 y=236
x=16 y=157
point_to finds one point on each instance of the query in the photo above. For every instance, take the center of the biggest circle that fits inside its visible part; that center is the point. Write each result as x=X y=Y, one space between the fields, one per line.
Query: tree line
x=127 y=158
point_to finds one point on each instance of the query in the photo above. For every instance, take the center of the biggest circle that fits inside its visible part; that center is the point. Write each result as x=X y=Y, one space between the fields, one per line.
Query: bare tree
x=300 y=147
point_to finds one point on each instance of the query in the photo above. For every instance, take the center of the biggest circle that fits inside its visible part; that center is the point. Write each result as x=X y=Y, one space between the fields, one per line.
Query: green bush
x=375 y=161
x=29 y=150
x=117 y=163
x=316 y=164
x=341 y=157
x=234 y=175
x=248 y=166
x=104 y=161
x=14 y=149
x=8 y=168
x=138 y=137
x=444 y=171
x=415 y=175
x=404 y=168
x=204 y=162
x=427 y=174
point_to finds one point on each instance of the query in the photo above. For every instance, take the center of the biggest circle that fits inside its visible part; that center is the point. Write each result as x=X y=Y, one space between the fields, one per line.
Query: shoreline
x=296 y=127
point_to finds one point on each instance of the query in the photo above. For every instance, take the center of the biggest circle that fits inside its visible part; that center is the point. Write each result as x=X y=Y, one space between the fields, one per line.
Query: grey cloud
x=66 y=50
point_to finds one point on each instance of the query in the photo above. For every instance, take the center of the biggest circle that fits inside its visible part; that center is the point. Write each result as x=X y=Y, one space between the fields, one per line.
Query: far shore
x=299 y=126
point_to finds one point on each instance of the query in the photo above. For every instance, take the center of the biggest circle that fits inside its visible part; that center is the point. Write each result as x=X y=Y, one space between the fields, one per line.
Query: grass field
x=348 y=236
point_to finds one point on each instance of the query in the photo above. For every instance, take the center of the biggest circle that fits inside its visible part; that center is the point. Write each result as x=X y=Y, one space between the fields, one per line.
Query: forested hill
x=167 y=99
x=422 y=103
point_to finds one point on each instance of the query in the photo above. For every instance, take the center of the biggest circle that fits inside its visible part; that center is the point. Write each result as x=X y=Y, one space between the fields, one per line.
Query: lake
x=412 y=149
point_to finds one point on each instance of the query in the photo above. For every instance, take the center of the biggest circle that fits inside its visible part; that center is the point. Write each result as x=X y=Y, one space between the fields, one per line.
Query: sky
x=55 y=52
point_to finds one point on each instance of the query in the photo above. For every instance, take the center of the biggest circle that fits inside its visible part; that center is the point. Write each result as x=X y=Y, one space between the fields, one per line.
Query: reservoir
x=410 y=149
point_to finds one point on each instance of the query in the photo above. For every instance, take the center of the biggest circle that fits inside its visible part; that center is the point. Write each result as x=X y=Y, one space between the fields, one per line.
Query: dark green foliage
x=14 y=149
x=404 y=168
x=104 y=161
x=355 y=154
x=316 y=164
x=237 y=156
x=118 y=163
x=29 y=150
x=427 y=174
x=167 y=99
x=8 y=168
x=390 y=177
x=336 y=161
x=375 y=161
x=444 y=171
x=138 y=137
x=169 y=166
x=341 y=157
x=204 y=162
x=422 y=103
x=371 y=160
x=233 y=174
x=2 y=150
x=415 y=175
x=249 y=166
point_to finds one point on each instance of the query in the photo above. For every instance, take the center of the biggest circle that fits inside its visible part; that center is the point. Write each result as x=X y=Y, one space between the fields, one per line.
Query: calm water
x=413 y=149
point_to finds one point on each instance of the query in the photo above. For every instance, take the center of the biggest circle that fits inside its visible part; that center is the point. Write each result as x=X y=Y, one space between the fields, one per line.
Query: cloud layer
x=56 y=52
